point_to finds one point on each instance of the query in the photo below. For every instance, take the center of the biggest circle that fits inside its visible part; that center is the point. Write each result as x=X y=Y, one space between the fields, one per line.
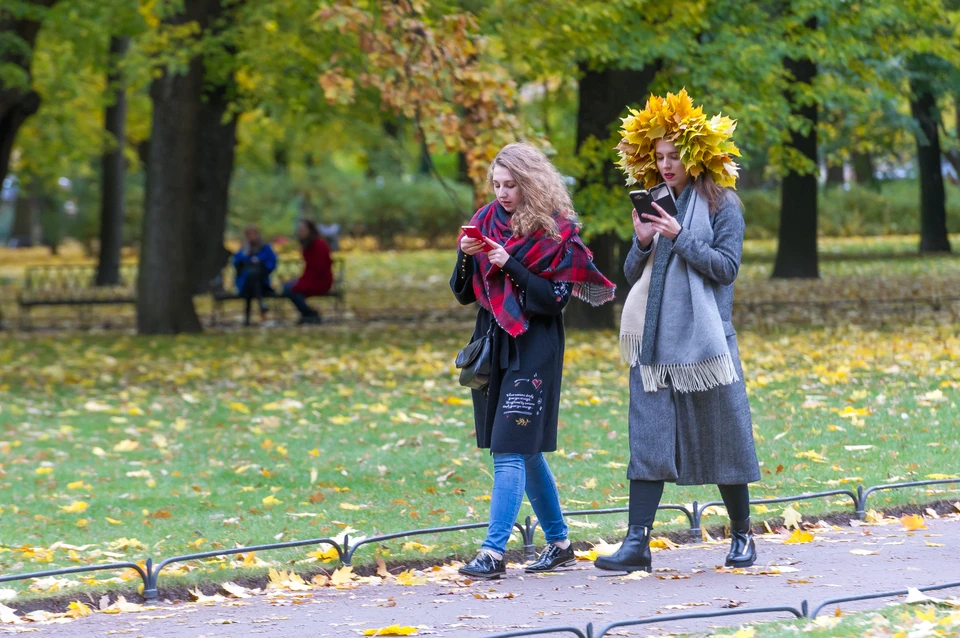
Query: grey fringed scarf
x=691 y=347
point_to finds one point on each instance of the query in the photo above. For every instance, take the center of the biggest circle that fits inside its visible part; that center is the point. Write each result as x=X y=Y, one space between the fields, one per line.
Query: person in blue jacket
x=255 y=261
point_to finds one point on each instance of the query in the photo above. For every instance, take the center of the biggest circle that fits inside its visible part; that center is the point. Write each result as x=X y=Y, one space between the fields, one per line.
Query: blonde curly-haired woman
x=522 y=274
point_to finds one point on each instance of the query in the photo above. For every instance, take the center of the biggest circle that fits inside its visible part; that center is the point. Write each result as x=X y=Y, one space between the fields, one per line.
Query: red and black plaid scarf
x=565 y=260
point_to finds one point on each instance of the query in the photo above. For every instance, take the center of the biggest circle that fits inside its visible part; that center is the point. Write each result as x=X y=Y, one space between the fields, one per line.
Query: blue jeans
x=512 y=475
x=298 y=300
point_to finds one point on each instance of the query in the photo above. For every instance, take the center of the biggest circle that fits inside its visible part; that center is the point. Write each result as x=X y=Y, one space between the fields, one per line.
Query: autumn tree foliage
x=427 y=67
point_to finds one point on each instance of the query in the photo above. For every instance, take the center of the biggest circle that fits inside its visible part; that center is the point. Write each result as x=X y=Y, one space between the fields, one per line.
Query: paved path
x=689 y=581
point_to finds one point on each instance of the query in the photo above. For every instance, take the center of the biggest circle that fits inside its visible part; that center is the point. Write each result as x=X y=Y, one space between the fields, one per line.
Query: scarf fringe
x=630 y=346
x=594 y=294
x=689 y=377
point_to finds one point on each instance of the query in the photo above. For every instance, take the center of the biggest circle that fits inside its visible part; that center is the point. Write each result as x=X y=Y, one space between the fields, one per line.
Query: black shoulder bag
x=475 y=361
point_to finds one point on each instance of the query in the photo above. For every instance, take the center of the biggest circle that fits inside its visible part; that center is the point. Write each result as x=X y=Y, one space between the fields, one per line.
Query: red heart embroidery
x=537 y=383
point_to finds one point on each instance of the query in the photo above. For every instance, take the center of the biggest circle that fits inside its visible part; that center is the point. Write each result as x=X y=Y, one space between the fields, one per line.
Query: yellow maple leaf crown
x=705 y=144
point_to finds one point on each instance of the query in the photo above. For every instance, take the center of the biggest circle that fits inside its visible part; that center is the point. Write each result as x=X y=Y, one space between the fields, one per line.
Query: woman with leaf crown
x=522 y=273
x=689 y=417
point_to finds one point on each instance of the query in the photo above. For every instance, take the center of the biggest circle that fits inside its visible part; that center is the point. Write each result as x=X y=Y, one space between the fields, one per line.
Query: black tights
x=645 y=497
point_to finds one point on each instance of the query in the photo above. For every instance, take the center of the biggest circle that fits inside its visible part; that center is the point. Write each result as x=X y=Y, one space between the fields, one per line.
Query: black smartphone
x=643 y=202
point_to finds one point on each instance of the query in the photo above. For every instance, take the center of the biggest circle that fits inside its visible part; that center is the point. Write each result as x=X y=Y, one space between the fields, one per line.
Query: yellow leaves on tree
x=430 y=71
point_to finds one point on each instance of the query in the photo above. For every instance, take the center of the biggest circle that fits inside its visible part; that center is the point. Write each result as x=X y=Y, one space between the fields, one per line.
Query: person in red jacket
x=317 y=277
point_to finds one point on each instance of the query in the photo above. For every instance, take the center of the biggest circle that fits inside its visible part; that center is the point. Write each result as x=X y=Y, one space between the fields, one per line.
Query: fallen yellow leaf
x=342 y=576
x=791 y=517
x=77 y=610
x=912 y=522
x=286 y=580
x=76 y=507
x=126 y=445
x=392 y=630
x=799 y=536
x=239 y=407
x=408 y=578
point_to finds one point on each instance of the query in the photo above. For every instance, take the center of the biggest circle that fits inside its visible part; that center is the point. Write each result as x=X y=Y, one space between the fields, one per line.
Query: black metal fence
x=149 y=573
x=804 y=611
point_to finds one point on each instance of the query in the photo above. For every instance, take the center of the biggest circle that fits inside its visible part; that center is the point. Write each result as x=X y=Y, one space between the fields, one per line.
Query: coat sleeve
x=269 y=259
x=542 y=296
x=239 y=257
x=636 y=260
x=721 y=260
x=461 y=283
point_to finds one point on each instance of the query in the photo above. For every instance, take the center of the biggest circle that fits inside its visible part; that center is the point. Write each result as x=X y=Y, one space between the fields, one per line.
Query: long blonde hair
x=543 y=192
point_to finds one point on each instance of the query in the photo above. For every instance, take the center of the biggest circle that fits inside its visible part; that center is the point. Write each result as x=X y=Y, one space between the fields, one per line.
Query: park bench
x=72 y=285
x=285 y=271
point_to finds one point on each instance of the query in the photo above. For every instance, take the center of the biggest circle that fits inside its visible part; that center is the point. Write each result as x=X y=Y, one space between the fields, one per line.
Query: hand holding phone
x=643 y=203
x=474 y=233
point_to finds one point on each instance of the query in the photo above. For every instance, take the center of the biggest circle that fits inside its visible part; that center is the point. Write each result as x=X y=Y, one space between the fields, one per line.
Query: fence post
x=861 y=506
x=529 y=551
x=695 y=531
x=150 y=584
x=347 y=555
x=805 y=608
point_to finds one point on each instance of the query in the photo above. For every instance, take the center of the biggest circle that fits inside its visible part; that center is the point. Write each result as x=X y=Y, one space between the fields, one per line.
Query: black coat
x=518 y=413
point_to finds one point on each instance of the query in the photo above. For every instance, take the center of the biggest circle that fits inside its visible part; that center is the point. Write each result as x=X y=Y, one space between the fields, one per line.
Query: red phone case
x=474 y=233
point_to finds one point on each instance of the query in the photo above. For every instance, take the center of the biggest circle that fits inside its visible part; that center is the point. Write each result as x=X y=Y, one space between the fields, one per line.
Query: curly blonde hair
x=543 y=192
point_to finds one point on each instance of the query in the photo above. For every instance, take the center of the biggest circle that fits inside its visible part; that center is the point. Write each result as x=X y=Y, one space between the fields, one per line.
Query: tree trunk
x=24 y=217
x=933 y=205
x=113 y=169
x=835 y=176
x=188 y=174
x=603 y=97
x=216 y=144
x=752 y=177
x=164 y=289
x=864 y=171
x=17 y=103
x=797 y=237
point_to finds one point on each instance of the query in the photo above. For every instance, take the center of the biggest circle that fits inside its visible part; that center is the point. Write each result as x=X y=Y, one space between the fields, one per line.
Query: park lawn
x=413 y=284
x=161 y=446
x=895 y=621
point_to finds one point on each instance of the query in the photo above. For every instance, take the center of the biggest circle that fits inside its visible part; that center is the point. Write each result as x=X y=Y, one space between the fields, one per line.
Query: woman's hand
x=470 y=246
x=498 y=255
x=645 y=232
x=666 y=225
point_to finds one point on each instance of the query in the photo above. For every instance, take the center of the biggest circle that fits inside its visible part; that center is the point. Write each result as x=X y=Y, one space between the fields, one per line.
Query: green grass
x=898 y=621
x=172 y=440
x=393 y=284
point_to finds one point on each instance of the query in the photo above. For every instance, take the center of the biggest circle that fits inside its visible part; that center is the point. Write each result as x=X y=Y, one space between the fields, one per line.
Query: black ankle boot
x=743 y=551
x=633 y=555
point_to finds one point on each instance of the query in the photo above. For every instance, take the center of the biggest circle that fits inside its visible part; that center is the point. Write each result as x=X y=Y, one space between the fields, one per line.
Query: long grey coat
x=696 y=438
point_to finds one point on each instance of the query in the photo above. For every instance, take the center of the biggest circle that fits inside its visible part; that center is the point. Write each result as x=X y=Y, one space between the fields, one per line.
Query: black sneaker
x=485 y=566
x=551 y=558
